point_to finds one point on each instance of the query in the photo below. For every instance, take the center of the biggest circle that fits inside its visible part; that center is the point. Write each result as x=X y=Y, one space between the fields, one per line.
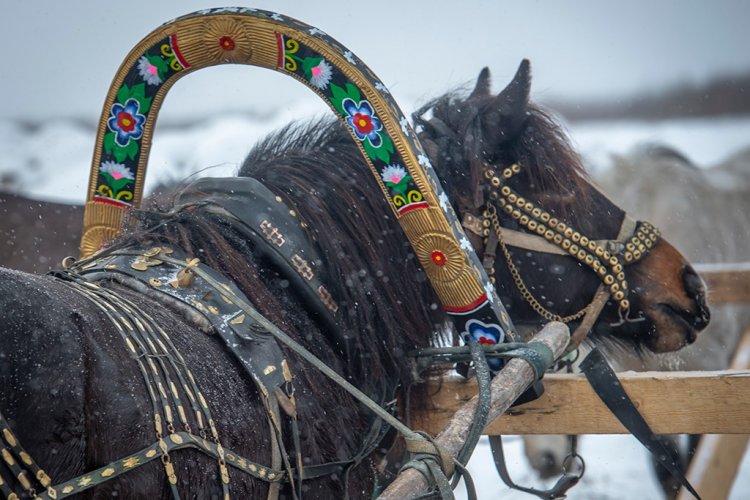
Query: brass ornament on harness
x=607 y=259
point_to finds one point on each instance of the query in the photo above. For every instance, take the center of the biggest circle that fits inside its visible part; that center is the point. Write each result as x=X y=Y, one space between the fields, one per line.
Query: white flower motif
x=490 y=291
x=404 y=125
x=393 y=174
x=443 y=199
x=316 y=31
x=148 y=71
x=424 y=161
x=276 y=17
x=350 y=57
x=247 y=10
x=227 y=9
x=379 y=86
x=203 y=12
x=321 y=74
x=116 y=170
x=465 y=243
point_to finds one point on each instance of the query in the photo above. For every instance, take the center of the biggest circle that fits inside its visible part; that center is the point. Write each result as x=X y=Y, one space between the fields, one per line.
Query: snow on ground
x=51 y=161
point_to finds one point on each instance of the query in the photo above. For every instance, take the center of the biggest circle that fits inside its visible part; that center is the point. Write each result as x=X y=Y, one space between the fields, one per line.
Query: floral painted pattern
x=117 y=177
x=318 y=71
x=126 y=122
x=396 y=177
x=359 y=114
x=363 y=121
x=483 y=333
x=149 y=71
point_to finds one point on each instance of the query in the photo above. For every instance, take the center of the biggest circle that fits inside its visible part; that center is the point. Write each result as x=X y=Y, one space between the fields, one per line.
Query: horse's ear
x=482 y=87
x=504 y=118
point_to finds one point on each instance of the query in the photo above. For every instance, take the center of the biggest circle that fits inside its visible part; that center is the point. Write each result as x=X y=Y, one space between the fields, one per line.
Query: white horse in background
x=706 y=213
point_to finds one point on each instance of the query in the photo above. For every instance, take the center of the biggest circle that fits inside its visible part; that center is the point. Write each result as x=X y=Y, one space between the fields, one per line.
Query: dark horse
x=75 y=398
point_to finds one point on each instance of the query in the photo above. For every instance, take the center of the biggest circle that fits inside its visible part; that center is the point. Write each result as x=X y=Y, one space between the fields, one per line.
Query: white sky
x=61 y=55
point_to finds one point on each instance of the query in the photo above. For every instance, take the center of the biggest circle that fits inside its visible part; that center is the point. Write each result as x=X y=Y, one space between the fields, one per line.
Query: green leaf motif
x=383 y=153
x=109 y=142
x=115 y=184
x=137 y=92
x=338 y=95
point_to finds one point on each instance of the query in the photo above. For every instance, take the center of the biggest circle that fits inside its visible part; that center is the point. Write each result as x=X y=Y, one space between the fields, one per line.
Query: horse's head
x=556 y=246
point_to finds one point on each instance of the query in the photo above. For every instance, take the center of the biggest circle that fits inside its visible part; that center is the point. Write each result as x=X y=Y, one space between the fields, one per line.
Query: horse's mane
x=372 y=272
x=540 y=146
x=319 y=169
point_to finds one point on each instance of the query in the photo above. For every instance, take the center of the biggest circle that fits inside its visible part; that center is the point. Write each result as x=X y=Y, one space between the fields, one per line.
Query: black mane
x=373 y=273
x=467 y=145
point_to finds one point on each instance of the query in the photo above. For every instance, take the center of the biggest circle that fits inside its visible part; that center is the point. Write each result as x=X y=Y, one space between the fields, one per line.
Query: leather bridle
x=546 y=234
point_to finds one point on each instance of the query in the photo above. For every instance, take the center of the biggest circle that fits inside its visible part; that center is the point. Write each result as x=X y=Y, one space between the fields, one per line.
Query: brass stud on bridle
x=613 y=254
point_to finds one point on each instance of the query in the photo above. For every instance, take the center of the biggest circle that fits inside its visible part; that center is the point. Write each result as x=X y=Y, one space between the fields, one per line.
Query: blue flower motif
x=126 y=122
x=363 y=121
x=483 y=333
x=487 y=334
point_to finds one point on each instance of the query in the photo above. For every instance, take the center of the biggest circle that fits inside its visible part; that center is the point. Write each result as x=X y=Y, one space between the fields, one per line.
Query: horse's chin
x=669 y=329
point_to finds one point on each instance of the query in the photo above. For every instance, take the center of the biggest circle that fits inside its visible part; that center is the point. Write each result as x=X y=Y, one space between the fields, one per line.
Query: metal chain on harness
x=608 y=265
x=491 y=213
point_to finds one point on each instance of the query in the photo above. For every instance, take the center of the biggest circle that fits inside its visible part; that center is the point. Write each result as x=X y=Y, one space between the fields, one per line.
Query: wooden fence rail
x=671 y=402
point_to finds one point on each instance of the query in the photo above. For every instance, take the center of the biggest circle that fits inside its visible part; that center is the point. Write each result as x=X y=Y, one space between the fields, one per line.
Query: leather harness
x=214 y=305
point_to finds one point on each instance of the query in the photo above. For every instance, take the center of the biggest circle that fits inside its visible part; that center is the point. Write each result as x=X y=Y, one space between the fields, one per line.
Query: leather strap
x=606 y=385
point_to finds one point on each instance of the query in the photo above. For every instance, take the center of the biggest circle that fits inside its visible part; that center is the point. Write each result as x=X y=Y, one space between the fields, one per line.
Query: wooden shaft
x=506 y=387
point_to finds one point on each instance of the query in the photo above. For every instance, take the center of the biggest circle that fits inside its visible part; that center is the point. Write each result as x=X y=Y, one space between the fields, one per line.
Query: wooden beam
x=714 y=466
x=671 y=402
x=727 y=283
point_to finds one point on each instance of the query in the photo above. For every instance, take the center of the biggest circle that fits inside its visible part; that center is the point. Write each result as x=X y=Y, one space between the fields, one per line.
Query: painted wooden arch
x=388 y=144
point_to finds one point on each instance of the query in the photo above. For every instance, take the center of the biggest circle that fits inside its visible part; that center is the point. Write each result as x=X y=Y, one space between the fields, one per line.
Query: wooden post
x=506 y=387
x=714 y=467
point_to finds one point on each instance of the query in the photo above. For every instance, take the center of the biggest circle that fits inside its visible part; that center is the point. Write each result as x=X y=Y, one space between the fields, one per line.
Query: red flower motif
x=226 y=43
x=363 y=123
x=439 y=258
x=485 y=340
x=125 y=121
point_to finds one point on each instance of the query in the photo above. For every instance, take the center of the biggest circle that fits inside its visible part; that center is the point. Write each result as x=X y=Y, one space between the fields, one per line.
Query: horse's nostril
x=696 y=290
x=693 y=283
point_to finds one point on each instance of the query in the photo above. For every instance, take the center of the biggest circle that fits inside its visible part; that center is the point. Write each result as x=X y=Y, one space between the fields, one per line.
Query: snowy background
x=52 y=162
x=63 y=55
